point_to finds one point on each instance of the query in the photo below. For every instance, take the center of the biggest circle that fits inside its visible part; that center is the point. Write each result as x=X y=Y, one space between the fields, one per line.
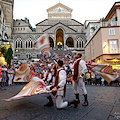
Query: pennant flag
x=105 y=71
x=43 y=45
x=35 y=86
x=22 y=74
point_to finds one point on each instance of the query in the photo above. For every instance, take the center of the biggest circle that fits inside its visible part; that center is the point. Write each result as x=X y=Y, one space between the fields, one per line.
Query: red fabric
x=54 y=70
x=90 y=73
x=46 y=77
x=75 y=74
x=0 y=71
x=56 y=80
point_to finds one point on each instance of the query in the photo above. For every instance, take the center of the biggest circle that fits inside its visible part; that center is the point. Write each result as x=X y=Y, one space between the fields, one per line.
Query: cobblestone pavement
x=104 y=104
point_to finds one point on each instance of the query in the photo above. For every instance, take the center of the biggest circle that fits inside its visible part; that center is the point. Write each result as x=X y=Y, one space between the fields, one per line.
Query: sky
x=35 y=10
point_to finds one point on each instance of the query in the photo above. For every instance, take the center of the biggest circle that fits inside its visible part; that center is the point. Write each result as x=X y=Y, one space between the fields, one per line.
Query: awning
x=113 y=60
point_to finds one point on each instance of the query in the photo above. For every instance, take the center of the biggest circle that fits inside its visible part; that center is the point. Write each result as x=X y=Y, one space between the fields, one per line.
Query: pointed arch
x=15 y=44
x=51 y=42
x=70 y=42
x=60 y=38
x=26 y=44
x=29 y=43
x=18 y=43
x=77 y=43
x=81 y=44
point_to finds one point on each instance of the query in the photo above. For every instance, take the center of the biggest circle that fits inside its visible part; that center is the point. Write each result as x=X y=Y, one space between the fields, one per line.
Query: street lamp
x=105 y=47
x=104 y=44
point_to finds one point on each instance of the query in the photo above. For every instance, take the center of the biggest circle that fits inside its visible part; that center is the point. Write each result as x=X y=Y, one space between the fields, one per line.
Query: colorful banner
x=22 y=74
x=43 y=45
x=35 y=86
x=105 y=71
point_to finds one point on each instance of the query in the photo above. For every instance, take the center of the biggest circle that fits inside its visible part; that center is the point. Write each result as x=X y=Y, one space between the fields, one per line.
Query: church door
x=59 y=39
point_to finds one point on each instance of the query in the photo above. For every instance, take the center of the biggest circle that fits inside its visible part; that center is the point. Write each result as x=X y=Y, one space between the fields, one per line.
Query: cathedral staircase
x=61 y=52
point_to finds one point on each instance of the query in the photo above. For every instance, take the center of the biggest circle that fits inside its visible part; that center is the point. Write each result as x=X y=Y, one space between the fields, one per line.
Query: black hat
x=60 y=62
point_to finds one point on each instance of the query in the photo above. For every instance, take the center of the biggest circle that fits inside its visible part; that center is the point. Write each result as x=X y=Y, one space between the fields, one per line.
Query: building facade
x=6 y=16
x=104 y=46
x=64 y=33
x=89 y=27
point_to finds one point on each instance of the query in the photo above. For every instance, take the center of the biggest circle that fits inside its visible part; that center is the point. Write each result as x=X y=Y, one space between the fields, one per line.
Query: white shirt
x=82 y=68
x=62 y=78
x=5 y=69
x=71 y=65
x=49 y=77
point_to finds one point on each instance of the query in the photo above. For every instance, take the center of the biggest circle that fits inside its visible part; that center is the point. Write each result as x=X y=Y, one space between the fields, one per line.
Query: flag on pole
x=43 y=45
x=105 y=71
x=35 y=86
x=22 y=74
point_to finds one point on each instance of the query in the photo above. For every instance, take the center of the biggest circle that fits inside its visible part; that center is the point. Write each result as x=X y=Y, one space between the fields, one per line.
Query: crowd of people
x=56 y=72
x=44 y=66
x=7 y=74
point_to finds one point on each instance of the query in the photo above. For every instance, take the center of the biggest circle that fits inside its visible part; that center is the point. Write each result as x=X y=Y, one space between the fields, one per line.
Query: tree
x=3 y=50
x=8 y=55
x=102 y=19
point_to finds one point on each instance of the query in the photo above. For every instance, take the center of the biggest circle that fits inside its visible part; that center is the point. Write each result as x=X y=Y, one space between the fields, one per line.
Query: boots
x=85 y=101
x=77 y=97
x=74 y=102
x=50 y=103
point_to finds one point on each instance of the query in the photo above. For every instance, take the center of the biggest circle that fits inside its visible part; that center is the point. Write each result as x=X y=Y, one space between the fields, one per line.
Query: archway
x=81 y=44
x=59 y=39
x=70 y=42
x=51 y=42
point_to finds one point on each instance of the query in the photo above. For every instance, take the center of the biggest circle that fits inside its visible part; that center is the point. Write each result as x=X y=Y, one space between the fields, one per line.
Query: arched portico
x=59 y=39
x=70 y=42
x=51 y=42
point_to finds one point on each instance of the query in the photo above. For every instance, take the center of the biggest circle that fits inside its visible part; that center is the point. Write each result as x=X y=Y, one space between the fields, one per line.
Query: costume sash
x=56 y=83
x=46 y=77
x=54 y=70
x=75 y=74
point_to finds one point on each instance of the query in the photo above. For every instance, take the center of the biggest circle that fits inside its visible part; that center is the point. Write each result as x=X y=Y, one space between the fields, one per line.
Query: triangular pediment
x=60 y=25
x=59 y=8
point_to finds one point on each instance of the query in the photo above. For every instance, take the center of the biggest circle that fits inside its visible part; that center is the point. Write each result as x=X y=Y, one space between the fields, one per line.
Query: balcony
x=108 y=24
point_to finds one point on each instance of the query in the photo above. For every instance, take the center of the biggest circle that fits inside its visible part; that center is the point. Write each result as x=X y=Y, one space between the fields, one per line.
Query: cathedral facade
x=64 y=33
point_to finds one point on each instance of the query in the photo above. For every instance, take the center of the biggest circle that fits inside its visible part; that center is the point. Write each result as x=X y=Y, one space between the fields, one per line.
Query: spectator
x=98 y=79
x=4 y=77
x=102 y=81
x=10 y=76
x=88 y=77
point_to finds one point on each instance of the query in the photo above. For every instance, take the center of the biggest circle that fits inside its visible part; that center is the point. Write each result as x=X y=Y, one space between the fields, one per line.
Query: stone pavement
x=104 y=104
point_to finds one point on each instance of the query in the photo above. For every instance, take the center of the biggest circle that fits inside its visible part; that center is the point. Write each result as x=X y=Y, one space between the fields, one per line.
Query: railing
x=107 y=24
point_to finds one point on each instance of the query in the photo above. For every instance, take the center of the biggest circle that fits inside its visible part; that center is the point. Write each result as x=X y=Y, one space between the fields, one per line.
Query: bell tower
x=8 y=11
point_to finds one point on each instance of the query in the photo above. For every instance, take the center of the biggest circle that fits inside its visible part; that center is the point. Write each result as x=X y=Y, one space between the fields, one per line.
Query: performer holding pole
x=47 y=82
x=80 y=69
x=59 y=88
